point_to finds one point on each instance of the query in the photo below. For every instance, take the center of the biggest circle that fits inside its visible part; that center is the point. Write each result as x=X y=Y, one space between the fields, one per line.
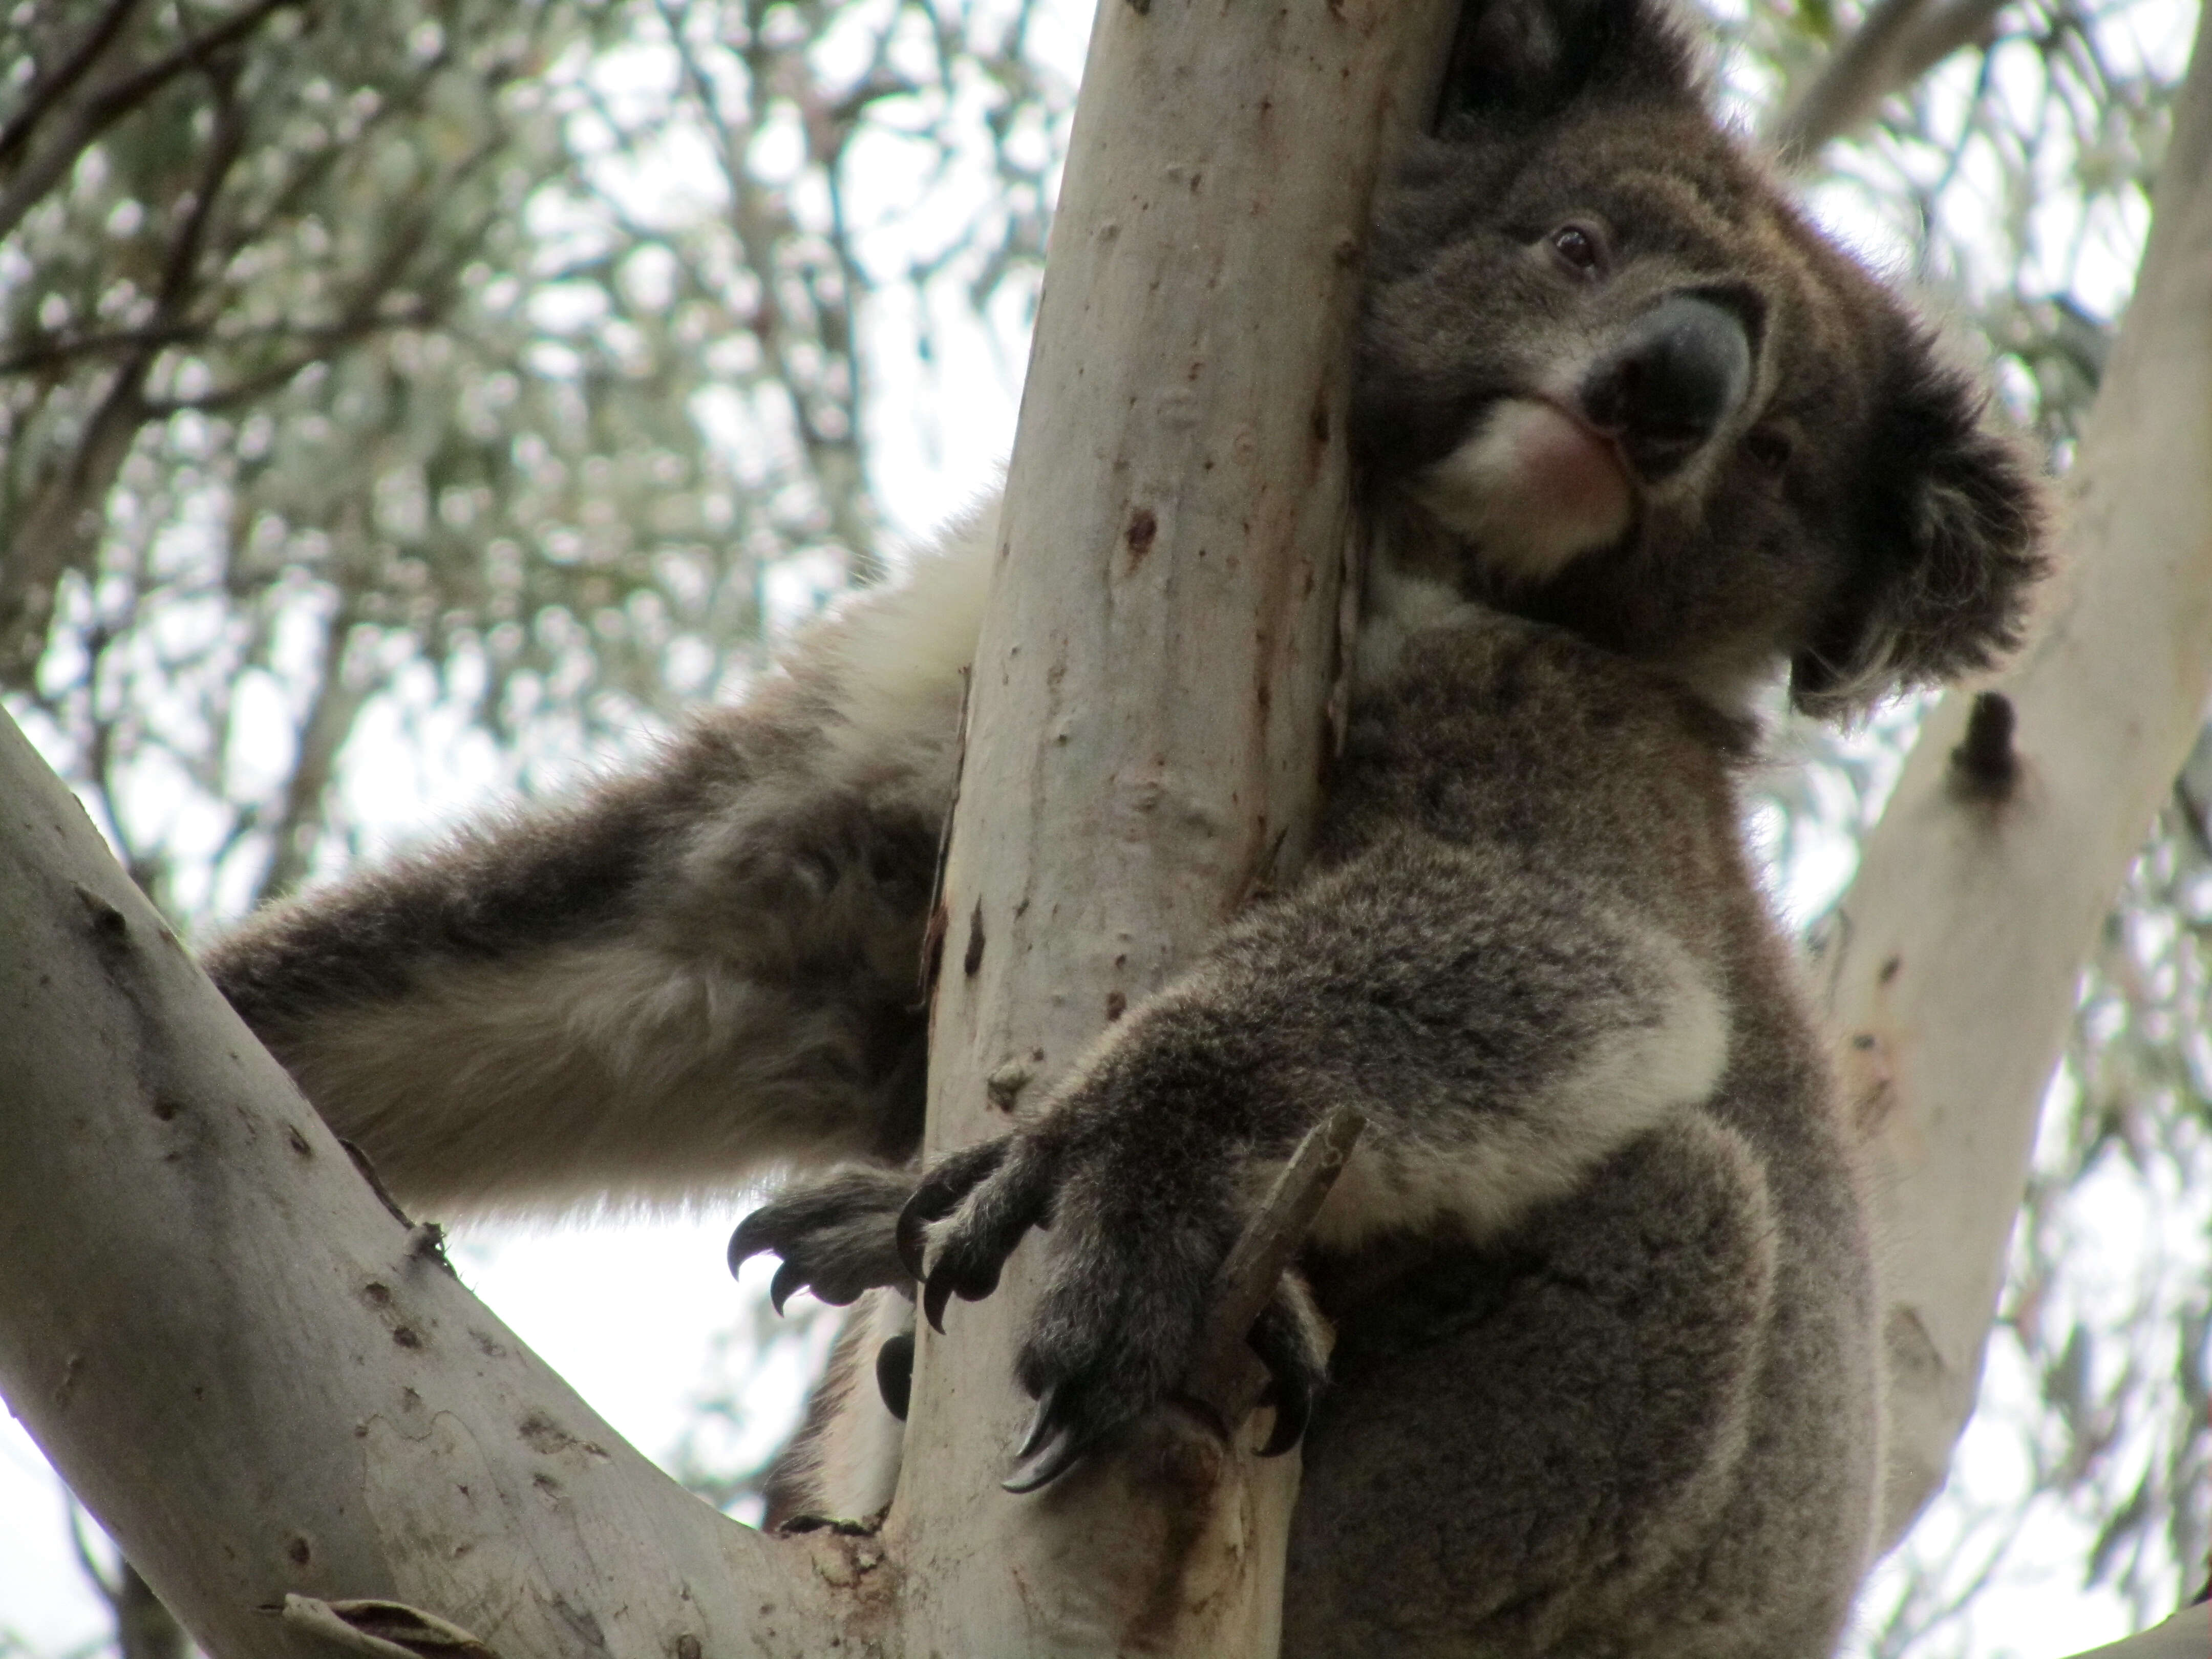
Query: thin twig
x=1227 y=1375
x=50 y=89
x=118 y=98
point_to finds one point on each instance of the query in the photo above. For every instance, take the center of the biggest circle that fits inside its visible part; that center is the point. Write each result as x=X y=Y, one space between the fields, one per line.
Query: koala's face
x=1644 y=400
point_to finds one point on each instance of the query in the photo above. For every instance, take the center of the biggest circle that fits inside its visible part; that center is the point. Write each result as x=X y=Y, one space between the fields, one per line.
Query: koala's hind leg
x=677 y=978
x=843 y=1462
x=837 y=1236
x=1520 y=1445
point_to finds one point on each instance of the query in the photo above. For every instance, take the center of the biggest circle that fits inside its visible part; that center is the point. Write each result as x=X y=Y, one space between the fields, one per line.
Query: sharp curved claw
x=750 y=1239
x=1062 y=1450
x=789 y=1277
x=895 y=1374
x=1040 y=1422
x=935 y=1293
x=1293 y=1402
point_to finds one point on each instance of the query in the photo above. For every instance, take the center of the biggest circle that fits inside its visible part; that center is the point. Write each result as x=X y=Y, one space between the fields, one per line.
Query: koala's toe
x=972 y=1244
x=837 y=1236
x=940 y=1192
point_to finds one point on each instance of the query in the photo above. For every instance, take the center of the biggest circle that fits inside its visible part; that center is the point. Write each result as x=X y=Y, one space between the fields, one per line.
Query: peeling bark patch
x=546 y=1438
x=297 y=1141
x=1116 y=1005
x=972 y=958
x=1144 y=529
x=581 y=1623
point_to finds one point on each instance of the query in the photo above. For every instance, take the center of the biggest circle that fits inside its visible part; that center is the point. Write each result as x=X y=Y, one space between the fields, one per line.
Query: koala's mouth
x=1531 y=487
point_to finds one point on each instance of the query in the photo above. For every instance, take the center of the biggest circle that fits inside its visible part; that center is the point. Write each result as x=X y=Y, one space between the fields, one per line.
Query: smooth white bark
x=2187 y=1635
x=1146 y=730
x=254 y=1374
x=1957 y=953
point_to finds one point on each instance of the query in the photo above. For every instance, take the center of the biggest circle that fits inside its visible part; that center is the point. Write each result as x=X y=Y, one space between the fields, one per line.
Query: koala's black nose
x=1668 y=382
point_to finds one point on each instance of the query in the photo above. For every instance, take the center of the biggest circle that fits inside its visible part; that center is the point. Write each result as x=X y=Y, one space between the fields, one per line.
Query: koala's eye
x=1770 y=449
x=1579 y=248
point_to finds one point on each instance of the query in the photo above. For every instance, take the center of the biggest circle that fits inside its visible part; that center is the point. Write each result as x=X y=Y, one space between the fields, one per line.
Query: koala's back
x=1642 y=1420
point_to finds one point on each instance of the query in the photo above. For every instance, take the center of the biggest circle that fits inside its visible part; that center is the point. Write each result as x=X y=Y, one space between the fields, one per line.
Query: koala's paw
x=1127 y=1293
x=838 y=1237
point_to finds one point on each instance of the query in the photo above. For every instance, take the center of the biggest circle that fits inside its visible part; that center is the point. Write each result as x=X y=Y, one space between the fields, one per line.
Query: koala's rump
x=1581 y=1418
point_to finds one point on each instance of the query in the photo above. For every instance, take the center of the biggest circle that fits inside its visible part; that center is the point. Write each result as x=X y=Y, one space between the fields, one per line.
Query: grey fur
x=1605 y=1378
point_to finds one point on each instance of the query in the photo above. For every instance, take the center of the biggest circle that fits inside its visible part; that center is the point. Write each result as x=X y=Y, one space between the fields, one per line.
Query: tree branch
x=2185 y=1635
x=1896 y=43
x=1955 y=959
x=65 y=516
x=254 y=1328
x=50 y=89
x=118 y=98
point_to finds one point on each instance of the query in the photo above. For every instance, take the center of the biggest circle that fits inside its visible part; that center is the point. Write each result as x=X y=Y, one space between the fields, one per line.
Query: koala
x=1635 y=444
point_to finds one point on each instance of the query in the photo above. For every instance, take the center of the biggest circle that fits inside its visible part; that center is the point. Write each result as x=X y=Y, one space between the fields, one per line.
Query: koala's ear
x=1948 y=547
x=1529 y=59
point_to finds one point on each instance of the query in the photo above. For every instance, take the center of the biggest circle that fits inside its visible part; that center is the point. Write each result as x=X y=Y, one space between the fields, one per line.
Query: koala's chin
x=1529 y=489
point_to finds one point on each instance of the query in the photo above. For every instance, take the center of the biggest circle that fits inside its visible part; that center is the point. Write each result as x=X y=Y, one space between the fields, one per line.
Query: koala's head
x=1638 y=395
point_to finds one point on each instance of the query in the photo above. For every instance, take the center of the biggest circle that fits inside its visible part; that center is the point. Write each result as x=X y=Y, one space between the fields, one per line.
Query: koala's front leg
x=1503 y=1027
x=1142 y=1228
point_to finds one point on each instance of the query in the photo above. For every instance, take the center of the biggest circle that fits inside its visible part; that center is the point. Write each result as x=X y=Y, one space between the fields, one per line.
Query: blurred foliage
x=471 y=372
x=458 y=357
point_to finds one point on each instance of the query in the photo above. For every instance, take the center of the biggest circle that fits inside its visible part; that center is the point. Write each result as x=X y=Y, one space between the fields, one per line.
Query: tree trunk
x=1955 y=957
x=1147 y=731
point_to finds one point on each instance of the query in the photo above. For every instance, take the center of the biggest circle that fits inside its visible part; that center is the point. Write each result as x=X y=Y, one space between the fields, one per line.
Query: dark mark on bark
x=108 y=926
x=972 y=958
x=1142 y=530
x=1985 y=766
